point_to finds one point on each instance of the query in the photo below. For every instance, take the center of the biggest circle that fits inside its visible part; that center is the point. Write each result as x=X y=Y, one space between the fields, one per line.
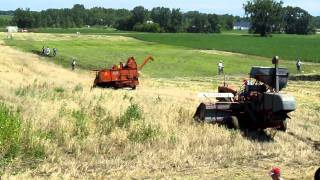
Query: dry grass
x=59 y=37
x=78 y=130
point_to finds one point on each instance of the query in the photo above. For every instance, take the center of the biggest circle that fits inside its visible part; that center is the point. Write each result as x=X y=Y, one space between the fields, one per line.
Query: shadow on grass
x=259 y=135
x=253 y=135
x=255 y=35
x=37 y=52
x=313 y=143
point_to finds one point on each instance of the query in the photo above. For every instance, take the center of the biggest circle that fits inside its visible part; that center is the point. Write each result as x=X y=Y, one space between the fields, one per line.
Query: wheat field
x=84 y=133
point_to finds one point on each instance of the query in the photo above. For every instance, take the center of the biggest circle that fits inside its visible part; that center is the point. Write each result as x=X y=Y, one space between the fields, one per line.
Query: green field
x=101 y=51
x=289 y=47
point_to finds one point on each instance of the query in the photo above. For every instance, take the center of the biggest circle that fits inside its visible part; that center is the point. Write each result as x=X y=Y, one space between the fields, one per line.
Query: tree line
x=158 y=19
x=6 y=18
x=265 y=16
x=269 y=16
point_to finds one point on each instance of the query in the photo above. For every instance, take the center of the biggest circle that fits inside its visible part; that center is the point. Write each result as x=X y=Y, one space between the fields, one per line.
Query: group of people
x=46 y=51
x=221 y=66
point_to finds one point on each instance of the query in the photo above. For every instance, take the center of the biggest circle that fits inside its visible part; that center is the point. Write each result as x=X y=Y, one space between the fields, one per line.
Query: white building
x=12 y=29
x=242 y=25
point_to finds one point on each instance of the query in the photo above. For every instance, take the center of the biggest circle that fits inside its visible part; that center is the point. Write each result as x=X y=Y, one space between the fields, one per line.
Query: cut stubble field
x=149 y=132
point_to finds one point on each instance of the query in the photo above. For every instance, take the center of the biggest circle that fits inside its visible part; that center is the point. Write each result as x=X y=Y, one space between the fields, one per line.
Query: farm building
x=12 y=29
x=242 y=25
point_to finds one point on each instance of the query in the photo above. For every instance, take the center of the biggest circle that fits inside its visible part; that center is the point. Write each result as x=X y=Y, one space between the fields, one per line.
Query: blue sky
x=210 y=6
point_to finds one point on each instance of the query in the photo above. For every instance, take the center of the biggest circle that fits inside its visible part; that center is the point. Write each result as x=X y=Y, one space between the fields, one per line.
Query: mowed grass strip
x=85 y=30
x=289 y=47
x=94 y=52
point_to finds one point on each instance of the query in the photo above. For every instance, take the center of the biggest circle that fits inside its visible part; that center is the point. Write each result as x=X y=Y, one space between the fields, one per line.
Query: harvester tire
x=317 y=175
x=283 y=126
x=233 y=122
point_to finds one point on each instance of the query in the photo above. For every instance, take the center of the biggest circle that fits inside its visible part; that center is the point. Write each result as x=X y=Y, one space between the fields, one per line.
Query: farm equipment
x=124 y=75
x=258 y=106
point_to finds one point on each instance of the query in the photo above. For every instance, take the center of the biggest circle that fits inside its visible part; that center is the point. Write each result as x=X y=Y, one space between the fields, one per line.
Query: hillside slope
x=147 y=133
x=96 y=51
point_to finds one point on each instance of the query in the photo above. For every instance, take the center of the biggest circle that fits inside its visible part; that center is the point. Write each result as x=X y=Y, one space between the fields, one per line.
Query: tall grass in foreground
x=16 y=139
x=10 y=132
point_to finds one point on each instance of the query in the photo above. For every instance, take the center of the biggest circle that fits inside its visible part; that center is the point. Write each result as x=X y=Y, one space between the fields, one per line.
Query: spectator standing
x=55 y=50
x=298 y=64
x=220 y=67
x=73 y=64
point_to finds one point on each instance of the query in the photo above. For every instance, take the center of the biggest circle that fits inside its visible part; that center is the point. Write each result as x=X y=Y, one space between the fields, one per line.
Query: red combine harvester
x=126 y=75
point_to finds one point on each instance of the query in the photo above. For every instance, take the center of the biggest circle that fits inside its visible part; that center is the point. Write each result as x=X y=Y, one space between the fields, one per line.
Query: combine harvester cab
x=126 y=75
x=258 y=106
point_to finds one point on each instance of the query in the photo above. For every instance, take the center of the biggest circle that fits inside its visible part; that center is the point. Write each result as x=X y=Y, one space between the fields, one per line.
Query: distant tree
x=176 y=21
x=316 y=22
x=153 y=27
x=4 y=21
x=265 y=15
x=23 y=18
x=162 y=16
x=126 y=24
x=213 y=20
x=139 y=14
x=78 y=14
x=297 y=21
x=227 y=21
x=11 y=13
x=198 y=22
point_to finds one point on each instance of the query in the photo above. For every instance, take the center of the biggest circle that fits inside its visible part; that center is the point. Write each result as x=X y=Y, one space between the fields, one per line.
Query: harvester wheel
x=133 y=87
x=283 y=126
x=234 y=122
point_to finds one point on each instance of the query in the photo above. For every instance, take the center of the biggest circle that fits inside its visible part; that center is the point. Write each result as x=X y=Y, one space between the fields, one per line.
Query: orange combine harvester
x=124 y=75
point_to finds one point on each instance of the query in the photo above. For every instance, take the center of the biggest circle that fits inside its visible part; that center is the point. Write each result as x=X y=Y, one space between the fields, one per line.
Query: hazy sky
x=210 y=6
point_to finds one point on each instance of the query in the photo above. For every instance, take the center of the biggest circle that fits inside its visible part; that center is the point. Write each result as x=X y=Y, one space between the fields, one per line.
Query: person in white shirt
x=220 y=67
x=73 y=64
x=47 y=51
x=298 y=64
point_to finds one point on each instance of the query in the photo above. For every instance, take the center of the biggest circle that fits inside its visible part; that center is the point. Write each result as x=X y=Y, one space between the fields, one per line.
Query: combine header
x=126 y=75
x=259 y=106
